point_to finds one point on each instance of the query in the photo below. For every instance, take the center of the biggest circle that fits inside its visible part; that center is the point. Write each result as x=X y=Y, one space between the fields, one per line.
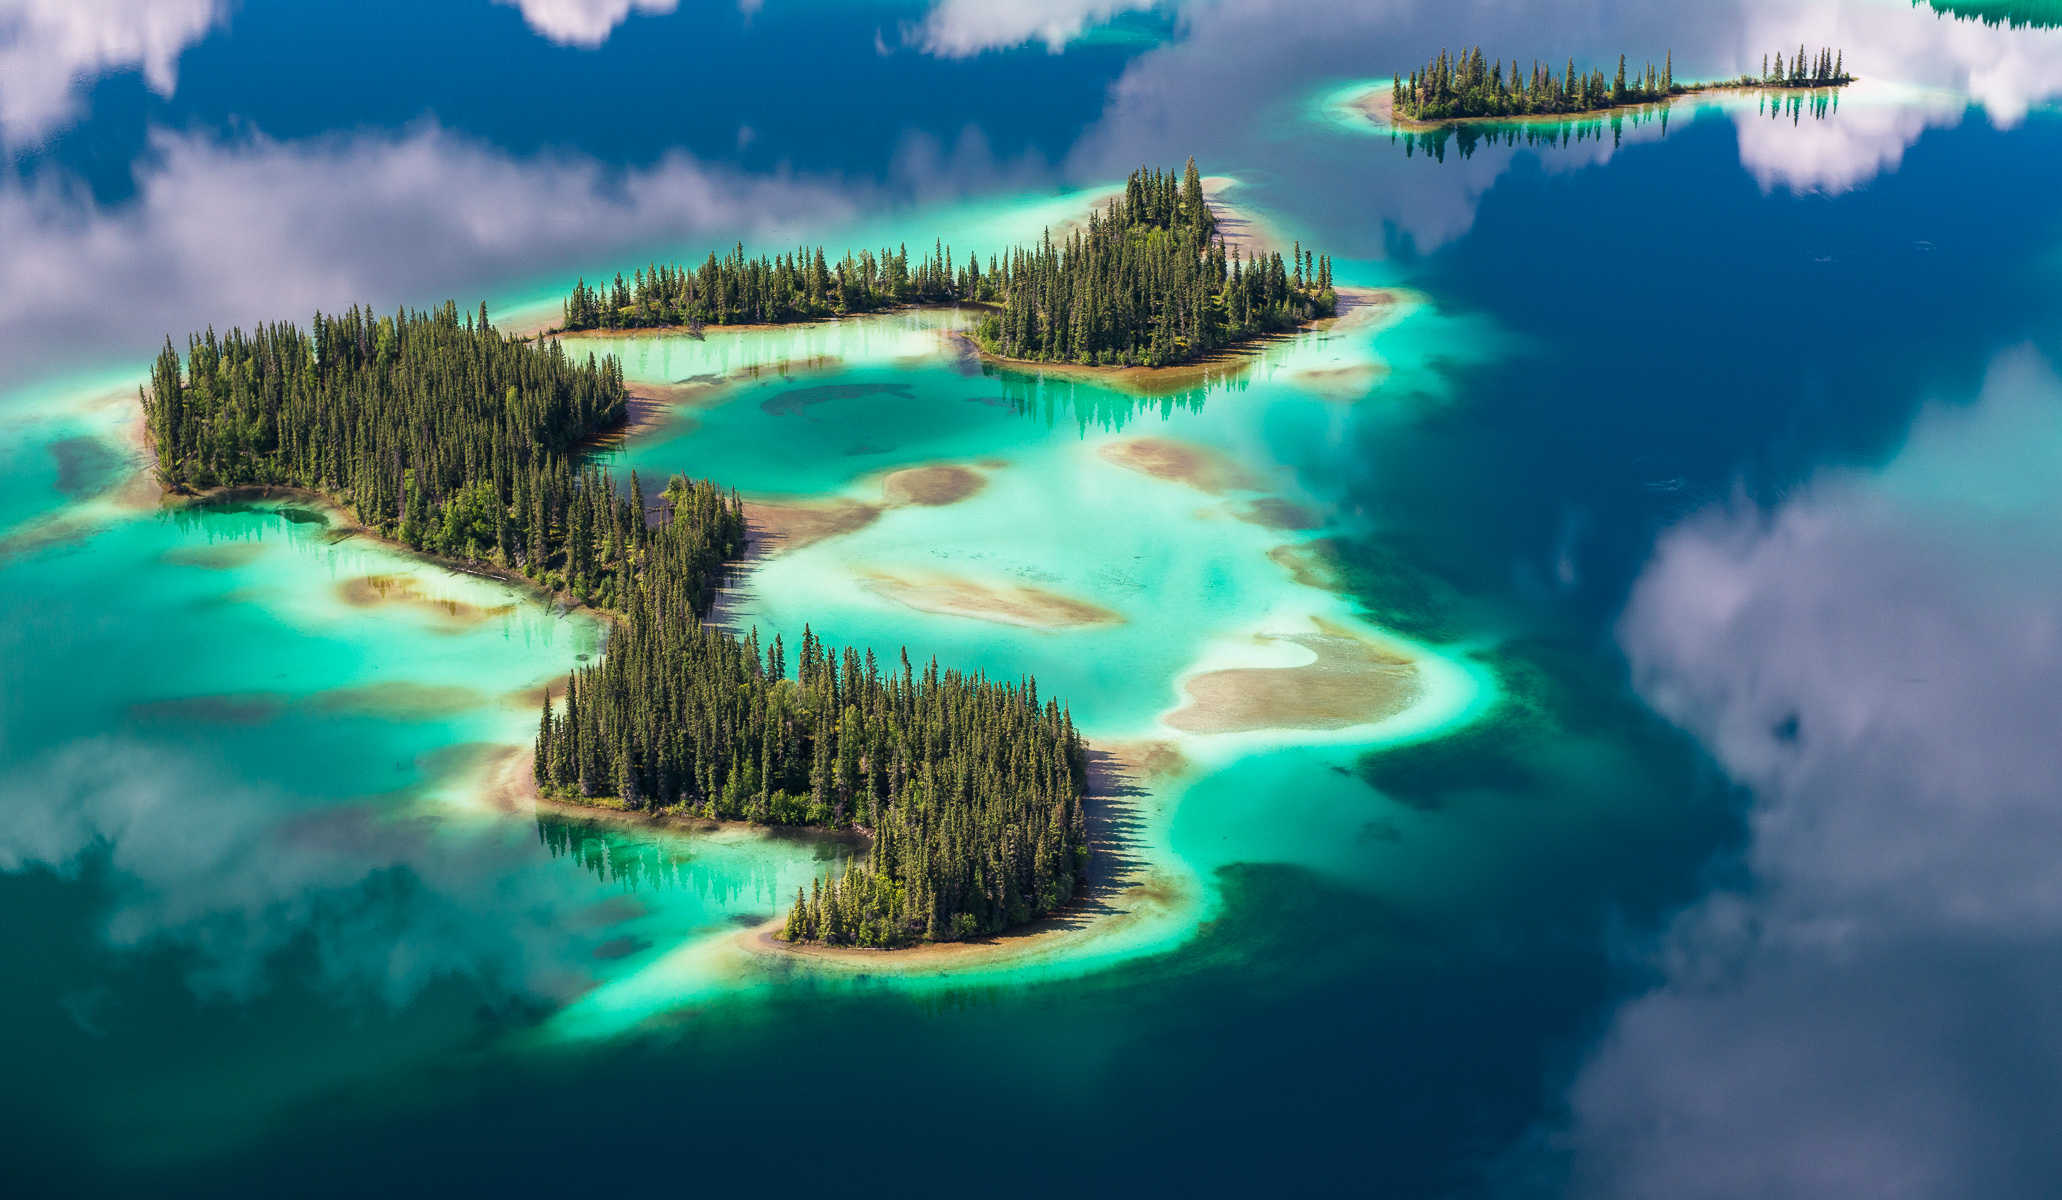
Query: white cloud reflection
x=234 y=876
x=231 y=233
x=50 y=48
x=964 y=28
x=1877 y=660
x=584 y=22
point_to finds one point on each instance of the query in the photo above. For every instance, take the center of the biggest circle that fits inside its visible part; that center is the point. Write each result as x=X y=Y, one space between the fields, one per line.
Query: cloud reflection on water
x=230 y=233
x=234 y=875
x=963 y=28
x=1869 y=1012
x=584 y=22
x=49 y=48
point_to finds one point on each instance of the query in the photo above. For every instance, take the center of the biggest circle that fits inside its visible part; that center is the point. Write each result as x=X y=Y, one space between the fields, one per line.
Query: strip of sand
x=1351 y=681
x=1002 y=604
x=1199 y=467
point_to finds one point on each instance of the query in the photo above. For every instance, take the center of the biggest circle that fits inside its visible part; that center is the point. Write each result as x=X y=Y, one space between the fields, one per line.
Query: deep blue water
x=1654 y=335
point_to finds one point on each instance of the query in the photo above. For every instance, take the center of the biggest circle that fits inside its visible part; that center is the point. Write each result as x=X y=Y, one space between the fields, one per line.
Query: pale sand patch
x=1005 y=604
x=1200 y=467
x=660 y=408
x=373 y=591
x=1379 y=106
x=1341 y=384
x=1236 y=226
x=776 y=528
x=931 y=487
x=1352 y=682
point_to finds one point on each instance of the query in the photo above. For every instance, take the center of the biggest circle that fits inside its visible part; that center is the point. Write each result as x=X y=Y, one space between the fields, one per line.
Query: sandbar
x=1342 y=384
x=1200 y=467
x=1351 y=682
x=931 y=487
x=374 y=591
x=215 y=556
x=1003 y=604
x=777 y=527
x=1313 y=564
x=1273 y=512
x=399 y=700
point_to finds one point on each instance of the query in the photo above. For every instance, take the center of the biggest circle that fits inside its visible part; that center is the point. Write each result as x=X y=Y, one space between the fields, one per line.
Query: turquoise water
x=275 y=911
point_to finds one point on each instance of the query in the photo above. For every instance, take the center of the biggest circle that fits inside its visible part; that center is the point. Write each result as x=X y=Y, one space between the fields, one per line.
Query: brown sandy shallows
x=1313 y=564
x=1352 y=682
x=1200 y=467
x=86 y=466
x=1272 y=512
x=1003 y=604
x=777 y=527
x=398 y=700
x=373 y=591
x=798 y=400
x=1341 y=384
x=661 y=408
x=931 y=487
x=248 y=708
x=216 y=556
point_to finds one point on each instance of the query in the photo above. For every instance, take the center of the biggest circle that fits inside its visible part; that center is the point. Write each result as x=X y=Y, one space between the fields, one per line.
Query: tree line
x=771 y=289
x=439 y=431
x=1148 y=283
x=1828 y=68
x=1452 y=88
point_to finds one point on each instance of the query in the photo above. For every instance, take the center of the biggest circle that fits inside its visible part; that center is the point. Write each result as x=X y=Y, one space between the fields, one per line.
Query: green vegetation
x=1148 y=283
x=444 y=434
x=802 y=286
x=2017 y=14
x=971 y=790
x=1451 y=88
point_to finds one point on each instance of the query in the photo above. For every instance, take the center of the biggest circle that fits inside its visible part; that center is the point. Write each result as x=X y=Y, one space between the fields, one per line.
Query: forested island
x=439 y=432
x=1470 y=88
x=1149 y=282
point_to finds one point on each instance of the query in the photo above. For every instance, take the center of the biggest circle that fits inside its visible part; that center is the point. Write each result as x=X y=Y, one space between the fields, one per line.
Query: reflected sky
x=1715 y=448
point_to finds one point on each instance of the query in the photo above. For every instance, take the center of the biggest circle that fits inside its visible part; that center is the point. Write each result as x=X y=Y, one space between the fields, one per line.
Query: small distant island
x=441 y=433
x=1149 y=282
x=1469 y=88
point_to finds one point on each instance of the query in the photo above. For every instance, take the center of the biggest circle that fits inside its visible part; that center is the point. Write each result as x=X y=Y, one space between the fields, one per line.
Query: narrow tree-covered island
x=1471 y=88
x=1149 y=282
x=439 y=432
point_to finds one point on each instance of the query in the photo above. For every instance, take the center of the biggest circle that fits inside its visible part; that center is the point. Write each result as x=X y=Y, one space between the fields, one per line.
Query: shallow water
x=273 y=906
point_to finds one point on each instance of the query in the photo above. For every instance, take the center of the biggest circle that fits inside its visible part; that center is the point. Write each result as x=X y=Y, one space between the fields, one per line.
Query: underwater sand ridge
x=1350 y=681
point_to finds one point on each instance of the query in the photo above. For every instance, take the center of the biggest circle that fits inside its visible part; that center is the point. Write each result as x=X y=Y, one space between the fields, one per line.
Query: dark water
x=1635 y=338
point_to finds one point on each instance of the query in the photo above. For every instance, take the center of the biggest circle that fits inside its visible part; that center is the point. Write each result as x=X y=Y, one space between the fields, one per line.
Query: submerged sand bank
x=931 y=487
x=1002 y=604
x=1351 y=681
x=1200 y=467
x=777 y=526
